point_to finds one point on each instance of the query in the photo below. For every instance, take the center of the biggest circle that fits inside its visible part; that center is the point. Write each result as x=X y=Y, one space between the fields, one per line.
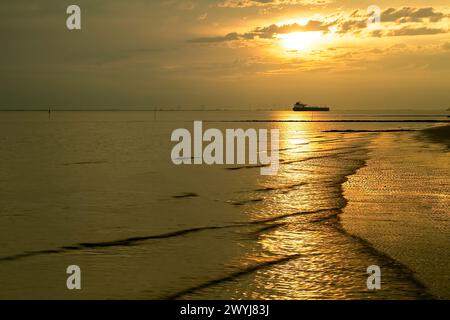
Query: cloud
x=351 y=25
x=262 y=3
x=268 y=32
x=415 y=22
x=229 y=37
x=408 y=14
x=408 y=31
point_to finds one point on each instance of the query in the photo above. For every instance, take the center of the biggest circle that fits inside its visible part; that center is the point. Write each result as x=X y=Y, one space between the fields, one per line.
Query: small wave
x=232 y=276
x=282 y=188
x=83 y=163
x=289 y=215
x=244 y=202
x=268 y=228
x=137 y=240
x=248 y=167
x=370 y=131
x=115 y=243
x=185 y=195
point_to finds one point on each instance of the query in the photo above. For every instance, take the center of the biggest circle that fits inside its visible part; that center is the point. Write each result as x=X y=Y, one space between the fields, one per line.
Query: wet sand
x=399 y=203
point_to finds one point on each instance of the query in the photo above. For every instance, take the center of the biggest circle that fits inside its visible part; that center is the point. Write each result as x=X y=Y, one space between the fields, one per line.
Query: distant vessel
x=299 y=106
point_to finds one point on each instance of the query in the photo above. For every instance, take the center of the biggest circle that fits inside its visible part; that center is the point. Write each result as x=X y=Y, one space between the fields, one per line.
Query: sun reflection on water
x=306 y=195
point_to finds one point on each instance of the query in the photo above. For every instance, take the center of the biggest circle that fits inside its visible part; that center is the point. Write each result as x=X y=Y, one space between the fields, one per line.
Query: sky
x=238 y=54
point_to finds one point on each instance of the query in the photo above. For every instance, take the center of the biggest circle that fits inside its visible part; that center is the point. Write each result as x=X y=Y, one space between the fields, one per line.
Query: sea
x=99 y=190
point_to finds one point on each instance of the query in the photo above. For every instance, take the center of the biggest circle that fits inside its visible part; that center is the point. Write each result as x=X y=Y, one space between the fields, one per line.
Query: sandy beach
x=399 y=203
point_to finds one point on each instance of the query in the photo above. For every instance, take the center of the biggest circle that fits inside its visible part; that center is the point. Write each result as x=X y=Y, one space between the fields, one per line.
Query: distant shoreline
x=337 y=121
x=384 y=112
x=120 y=110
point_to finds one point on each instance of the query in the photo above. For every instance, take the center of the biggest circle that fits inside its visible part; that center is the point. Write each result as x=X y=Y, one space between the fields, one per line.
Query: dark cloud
x=408 y=14
x=409 y=31
x=268 y=32
x=262 y=3
x=229 y=37
x=352 y=25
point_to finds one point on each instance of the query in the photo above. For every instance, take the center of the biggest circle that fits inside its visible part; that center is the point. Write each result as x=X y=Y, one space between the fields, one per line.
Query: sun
x=299 y=41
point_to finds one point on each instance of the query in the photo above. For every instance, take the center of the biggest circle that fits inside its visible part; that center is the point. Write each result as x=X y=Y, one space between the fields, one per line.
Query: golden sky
x=226 y=54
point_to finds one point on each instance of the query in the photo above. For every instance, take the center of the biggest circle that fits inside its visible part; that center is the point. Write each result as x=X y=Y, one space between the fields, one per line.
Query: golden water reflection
x=306 y=196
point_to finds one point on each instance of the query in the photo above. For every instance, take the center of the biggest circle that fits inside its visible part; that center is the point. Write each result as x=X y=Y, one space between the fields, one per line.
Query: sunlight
x=298 y=41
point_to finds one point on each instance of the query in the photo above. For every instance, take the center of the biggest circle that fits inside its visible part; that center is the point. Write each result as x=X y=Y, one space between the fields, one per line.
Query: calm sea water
x=99 y=190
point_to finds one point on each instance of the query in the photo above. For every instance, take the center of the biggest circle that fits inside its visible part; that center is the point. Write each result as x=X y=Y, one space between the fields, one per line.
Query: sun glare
x=299 y=41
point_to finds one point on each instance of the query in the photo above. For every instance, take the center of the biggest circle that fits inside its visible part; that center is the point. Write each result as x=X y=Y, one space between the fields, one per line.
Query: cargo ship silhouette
x=299 y=106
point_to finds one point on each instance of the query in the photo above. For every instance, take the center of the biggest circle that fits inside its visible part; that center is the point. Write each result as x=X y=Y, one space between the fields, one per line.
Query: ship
x=299 y=106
